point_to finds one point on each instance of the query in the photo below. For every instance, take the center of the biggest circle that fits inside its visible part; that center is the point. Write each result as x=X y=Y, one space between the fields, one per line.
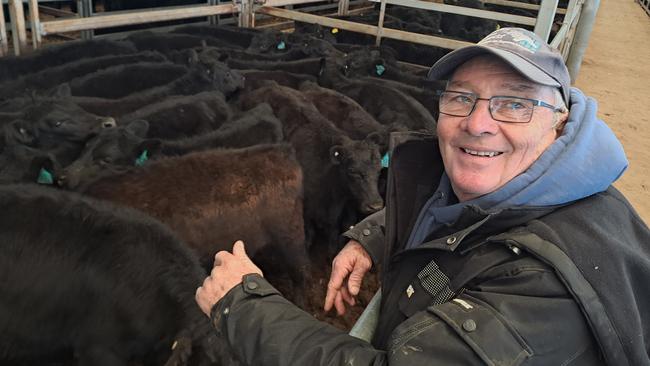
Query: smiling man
x=502 y=241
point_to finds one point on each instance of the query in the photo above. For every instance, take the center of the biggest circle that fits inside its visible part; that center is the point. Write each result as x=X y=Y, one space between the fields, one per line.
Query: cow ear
x=376 y=138
x=193 y=58
x=146 y=150
x=62 y=91
x=138 y=127
x=336 y=155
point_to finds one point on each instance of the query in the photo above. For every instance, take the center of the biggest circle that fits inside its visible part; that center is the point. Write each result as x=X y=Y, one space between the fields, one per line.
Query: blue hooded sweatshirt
x=585 y=160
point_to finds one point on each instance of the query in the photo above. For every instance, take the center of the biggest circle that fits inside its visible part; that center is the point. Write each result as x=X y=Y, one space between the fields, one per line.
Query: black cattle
x=53 y=76
x=12 y=67
x=345 y=113
x=234 y=36
x=54 y=125
x=184 y=116
x=108 y=285
x=211 y=199
x=201 y=77
x=349 y=169
x=122 y=80
x=389 y=106
x=259 y=78
x=167 y=43
x=121 y=149
x=309 y=66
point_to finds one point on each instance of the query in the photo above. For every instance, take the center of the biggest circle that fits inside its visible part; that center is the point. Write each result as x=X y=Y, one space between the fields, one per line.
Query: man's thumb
x=238 y=249
x=354 y=282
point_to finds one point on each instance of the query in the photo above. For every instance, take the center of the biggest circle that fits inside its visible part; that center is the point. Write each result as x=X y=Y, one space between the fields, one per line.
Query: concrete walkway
x=616 y=72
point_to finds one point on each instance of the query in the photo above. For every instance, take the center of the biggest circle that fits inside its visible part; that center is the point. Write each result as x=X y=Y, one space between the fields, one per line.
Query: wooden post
x=545 y=18
x=4 y=43
x=18 y=30
x=246 y=13
x=35 y=20
x=344 y=7
x=380 y=25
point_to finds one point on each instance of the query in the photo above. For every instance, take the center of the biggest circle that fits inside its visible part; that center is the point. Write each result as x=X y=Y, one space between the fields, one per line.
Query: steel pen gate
x=571 y=39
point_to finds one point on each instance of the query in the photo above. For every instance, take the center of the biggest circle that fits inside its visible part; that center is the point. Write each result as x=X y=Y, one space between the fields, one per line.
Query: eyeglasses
x=502 y=108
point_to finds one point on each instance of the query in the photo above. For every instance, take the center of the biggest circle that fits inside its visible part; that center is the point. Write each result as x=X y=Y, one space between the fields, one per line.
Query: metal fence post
x=85 y=10
x=4 y=43
x=214 y=19
x=545 y=18
x=18 y=30
x=35 y=22
x=245 y=13
x=581 y=39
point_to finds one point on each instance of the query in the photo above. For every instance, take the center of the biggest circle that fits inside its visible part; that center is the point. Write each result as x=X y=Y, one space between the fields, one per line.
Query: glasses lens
x=509 y=109
x=456 y=104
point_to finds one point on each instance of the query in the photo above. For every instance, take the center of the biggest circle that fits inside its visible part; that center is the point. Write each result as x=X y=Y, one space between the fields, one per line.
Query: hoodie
x=585 y=160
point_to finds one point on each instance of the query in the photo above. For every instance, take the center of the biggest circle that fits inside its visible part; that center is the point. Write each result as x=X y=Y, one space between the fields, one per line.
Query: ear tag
x=498 y=26
x=380 y=69
x=142 y=158
x=44 y=177
x=281 y=45
x=334 y=30
x=384 y=161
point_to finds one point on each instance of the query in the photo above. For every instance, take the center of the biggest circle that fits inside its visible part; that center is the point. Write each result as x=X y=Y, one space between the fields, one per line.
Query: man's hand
x=352 y=263
x=227 y=273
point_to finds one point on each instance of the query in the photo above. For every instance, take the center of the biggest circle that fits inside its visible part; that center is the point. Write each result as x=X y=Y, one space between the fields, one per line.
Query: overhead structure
x=571 y=39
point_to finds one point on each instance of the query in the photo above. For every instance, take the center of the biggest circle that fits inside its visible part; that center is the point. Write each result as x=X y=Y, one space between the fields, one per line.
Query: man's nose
x=480 y=121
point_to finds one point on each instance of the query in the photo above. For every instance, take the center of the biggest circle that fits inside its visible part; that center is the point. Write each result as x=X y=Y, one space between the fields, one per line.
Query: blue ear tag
x=384 y=161
x=44 y=177
x=281 y=45
x=142 y=158
x=380 y=69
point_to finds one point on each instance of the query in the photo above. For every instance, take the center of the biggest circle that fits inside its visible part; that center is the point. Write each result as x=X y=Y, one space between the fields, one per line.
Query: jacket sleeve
x=501 y=321
x=370 y=234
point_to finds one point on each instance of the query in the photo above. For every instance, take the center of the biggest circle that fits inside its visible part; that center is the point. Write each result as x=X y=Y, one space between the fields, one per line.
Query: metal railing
x=571 y=39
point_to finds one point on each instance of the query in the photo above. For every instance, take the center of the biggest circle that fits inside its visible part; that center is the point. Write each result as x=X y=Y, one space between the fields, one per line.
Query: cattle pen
x=571 y=38
x=600 y=62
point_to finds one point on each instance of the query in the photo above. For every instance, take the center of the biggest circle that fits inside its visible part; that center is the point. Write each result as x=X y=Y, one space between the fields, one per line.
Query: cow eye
x=58 y=123
x=106 y=160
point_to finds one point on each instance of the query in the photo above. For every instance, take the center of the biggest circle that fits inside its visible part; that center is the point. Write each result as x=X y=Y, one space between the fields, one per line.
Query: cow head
x=23 y=164
x=222 y=77
x=111 y=151
x=359 y=165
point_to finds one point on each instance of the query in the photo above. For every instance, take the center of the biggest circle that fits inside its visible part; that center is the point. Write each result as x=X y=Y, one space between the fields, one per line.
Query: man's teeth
x=482 y=153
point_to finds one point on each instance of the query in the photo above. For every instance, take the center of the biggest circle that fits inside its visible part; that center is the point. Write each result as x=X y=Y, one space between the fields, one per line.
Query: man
x=502 y=241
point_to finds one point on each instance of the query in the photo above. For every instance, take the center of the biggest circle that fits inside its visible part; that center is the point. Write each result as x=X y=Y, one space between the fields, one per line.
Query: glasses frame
x=536 y=103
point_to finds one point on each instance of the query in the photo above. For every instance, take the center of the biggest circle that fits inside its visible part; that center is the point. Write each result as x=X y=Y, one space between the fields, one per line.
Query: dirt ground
x=615 y=72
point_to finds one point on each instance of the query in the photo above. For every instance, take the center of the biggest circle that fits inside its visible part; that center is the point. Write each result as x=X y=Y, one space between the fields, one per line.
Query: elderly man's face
x=515 y=145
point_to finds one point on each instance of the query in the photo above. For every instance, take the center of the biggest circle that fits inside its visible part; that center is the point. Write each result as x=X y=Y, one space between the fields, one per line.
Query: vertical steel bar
x=214 y=19
x=380 y=25
x=4 y=42
x=86 y=11
x=344 y=7
x=34 y=18
x=18 y=30
x=581 y=39
x=545 y=18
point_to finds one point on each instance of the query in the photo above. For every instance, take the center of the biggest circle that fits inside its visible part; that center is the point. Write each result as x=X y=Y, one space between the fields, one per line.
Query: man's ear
x=559 y=120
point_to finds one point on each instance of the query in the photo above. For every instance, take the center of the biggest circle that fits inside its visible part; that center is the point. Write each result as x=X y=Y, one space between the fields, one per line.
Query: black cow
x=348 y=169
x=108 y=285
x=121 y=149
x=53 y=76
x=12 y=67
x=184 y=116
x=212 y=198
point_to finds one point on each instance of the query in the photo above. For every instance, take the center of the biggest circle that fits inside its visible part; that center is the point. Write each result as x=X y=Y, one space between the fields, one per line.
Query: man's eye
x=463 y=99
x=513 y=105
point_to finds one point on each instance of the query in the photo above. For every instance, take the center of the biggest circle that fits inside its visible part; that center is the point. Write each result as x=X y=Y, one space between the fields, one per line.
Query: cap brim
x=448 y=63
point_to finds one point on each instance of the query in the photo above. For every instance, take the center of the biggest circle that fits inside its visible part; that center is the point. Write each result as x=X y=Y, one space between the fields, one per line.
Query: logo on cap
x=511 y=37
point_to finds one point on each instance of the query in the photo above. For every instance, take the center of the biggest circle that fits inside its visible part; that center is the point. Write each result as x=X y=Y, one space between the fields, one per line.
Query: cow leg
x=96 y=355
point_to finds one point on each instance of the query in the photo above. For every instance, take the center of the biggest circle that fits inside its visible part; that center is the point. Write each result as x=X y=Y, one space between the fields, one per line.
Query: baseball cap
x=521 y=49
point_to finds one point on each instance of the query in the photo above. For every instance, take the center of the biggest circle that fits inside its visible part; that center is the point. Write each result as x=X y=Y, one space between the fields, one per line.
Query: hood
x=586 y=159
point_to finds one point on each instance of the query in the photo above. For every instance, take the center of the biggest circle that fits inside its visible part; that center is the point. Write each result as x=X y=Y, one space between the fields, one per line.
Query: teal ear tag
x=380 y=69
x=385 y=160
x=281 y=45
x=44 y=177
x=142 y=158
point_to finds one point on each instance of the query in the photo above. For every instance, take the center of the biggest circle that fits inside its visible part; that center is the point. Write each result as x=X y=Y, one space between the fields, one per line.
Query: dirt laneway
x=615 y=72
